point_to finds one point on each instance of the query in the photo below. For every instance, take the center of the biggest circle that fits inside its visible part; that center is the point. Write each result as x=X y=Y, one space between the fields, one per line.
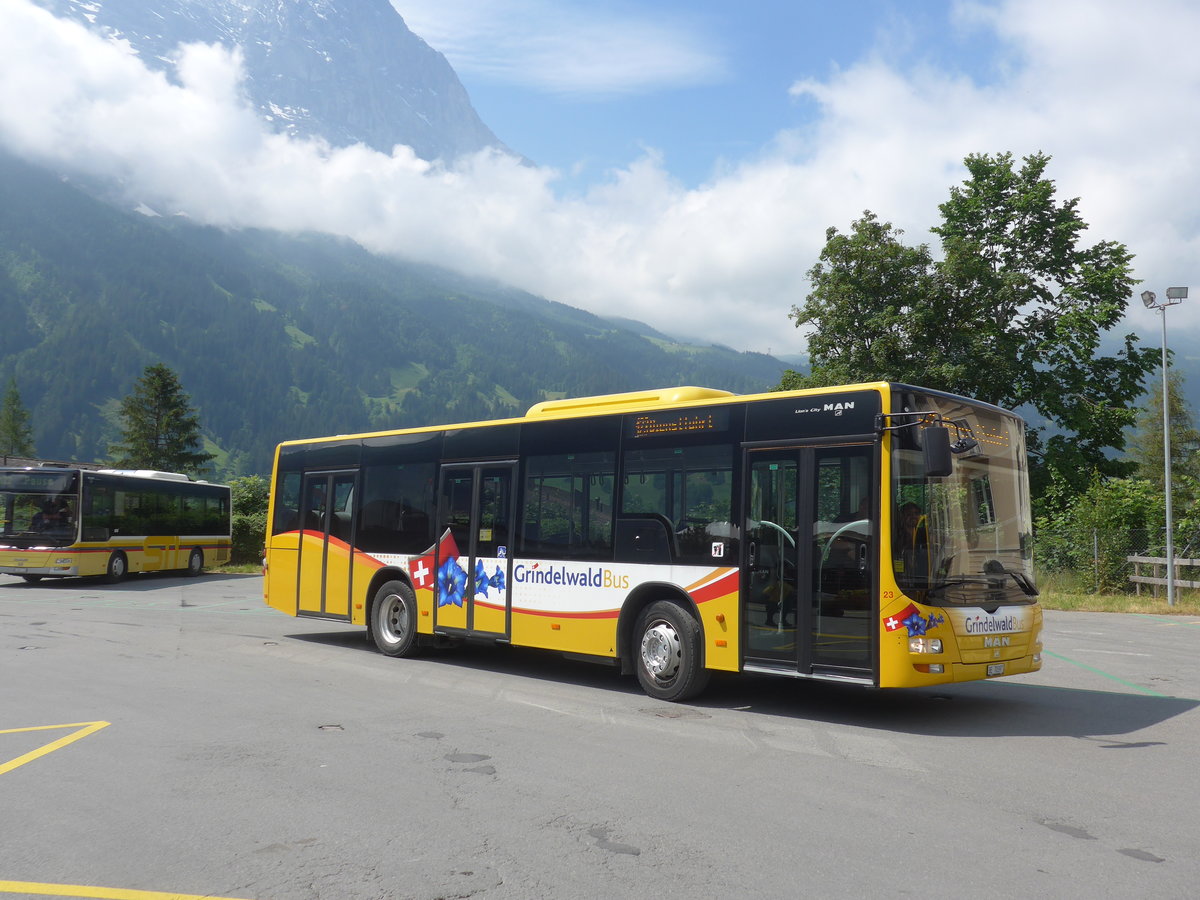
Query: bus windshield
x=39 y=508
x=964 y=539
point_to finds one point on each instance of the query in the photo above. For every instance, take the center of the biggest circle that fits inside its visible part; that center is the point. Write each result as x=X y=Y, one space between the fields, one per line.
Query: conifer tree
x=1146 y=445
x=161 y=430
x=16 y=439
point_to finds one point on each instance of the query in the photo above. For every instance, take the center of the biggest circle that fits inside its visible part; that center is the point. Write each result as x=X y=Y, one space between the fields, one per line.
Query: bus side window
x=568 y=505
x=287 y=503
x=398 y=508
x=689 y=491
x=97 y=511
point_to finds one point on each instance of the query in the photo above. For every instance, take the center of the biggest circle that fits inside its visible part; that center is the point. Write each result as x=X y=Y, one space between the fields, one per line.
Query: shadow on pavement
x=142 y=581
x=978 y=709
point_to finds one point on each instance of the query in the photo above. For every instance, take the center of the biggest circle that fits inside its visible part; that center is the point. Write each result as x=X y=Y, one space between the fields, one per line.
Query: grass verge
x=1124 y=603
x=1069 y=592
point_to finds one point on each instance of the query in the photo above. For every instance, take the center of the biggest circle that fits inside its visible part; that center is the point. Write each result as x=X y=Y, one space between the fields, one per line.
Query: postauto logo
x=561 y=576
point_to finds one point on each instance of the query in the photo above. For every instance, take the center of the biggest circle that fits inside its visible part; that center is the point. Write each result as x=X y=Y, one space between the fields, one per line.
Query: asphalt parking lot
x=173 y=737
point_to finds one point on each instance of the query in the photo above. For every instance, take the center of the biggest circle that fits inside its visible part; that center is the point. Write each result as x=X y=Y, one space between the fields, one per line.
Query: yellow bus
x=60 y=521
x=875 y=534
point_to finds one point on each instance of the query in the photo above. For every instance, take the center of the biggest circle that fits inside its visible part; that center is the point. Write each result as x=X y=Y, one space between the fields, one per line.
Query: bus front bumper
x=38 y=562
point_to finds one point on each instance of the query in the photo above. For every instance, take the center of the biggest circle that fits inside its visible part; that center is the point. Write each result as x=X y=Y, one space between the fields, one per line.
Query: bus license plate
x=995 y=669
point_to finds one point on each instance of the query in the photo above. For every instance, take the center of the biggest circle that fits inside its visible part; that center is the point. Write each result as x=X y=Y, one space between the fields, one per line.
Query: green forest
x=276 y=337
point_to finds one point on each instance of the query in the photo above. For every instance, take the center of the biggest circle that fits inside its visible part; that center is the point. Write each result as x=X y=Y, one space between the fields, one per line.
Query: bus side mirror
x=935 y=441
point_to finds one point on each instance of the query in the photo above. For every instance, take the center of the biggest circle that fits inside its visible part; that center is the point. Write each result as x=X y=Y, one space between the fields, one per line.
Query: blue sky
x=688 y=157
x=717 y=88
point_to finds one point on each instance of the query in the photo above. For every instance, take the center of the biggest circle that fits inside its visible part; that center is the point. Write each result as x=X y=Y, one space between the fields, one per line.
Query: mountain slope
x=348 y=71
x=278 y=337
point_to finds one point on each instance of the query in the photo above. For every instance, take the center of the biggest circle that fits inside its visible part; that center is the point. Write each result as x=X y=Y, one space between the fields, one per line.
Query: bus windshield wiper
x=989 y=580
x=958 y=581
x=1023 y=581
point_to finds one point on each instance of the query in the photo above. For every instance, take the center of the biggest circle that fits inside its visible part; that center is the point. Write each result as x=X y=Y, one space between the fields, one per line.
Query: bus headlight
x=924 y=645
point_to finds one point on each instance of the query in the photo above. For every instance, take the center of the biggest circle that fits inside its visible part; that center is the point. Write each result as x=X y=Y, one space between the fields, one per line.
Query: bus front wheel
x=394 y=619
x=195 y=562
x=667 y=649
x=117 y=568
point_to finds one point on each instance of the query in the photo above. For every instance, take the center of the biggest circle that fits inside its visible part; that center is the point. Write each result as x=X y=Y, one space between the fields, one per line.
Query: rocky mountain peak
x=349 y=71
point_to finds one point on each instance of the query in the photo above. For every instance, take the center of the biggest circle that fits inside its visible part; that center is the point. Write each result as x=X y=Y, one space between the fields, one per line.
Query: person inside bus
x=41 y=517
x=911 y=551
x=53 y=516
x=858 y=515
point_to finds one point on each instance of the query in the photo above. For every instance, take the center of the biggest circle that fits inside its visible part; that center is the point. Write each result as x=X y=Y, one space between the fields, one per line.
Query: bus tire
x=195 y=562
x=117 y=568
x=667 y=652
x=394 y=619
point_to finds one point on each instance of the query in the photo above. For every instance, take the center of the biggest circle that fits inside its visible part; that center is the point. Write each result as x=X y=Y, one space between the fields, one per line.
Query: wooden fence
x=1158 y=566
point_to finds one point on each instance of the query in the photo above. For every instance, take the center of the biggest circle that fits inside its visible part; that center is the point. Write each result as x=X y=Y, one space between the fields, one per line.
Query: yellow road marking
x=78 y=890
x=85 y=728
x=83 y=890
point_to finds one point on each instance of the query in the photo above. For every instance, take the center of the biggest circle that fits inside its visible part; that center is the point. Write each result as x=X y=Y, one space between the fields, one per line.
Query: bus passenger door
x=327 y=521
x=477 y=507
x=808 y=559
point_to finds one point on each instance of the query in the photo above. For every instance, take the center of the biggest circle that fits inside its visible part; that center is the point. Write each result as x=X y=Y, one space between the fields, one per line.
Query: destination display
x=34 y=481
x=676 y=421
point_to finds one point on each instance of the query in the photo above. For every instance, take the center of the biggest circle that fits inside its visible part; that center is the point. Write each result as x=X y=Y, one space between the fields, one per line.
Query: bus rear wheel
x=667 y=650
x=195 y=562
x=117 y=569
x=394 y=619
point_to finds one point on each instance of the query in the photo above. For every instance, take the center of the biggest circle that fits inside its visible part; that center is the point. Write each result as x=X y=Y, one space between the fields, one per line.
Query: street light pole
x=1174 y=295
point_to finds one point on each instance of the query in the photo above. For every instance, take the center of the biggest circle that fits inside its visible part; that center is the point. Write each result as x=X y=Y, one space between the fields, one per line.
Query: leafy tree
x=1012 y=314
x=871 y=295
x=161 y=431
x=16 y=439
x=250 y=494
x=1096 y=530
x=1146 y=444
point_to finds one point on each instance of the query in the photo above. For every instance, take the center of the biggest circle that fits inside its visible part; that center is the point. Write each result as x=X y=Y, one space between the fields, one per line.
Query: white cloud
x=722 y=262
x=566 y=48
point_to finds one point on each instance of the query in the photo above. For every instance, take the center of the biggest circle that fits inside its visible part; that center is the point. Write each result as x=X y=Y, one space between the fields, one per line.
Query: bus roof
x=606 y=404
x=633 y=400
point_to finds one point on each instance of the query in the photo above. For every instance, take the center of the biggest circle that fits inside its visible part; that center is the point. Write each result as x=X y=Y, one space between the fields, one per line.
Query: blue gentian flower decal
x=451 y=583
x=497 y=580
x=917 y=625
x=481 y=579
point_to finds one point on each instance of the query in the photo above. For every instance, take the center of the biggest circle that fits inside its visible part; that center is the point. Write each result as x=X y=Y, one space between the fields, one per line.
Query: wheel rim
x=393 y=622
x=117 y=566
x=196 y=561
x=662 y=651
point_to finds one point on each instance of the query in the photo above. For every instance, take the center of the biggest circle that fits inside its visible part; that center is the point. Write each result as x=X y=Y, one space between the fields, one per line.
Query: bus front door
x=808 y=560
x=477 y=507
x=326 y=542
